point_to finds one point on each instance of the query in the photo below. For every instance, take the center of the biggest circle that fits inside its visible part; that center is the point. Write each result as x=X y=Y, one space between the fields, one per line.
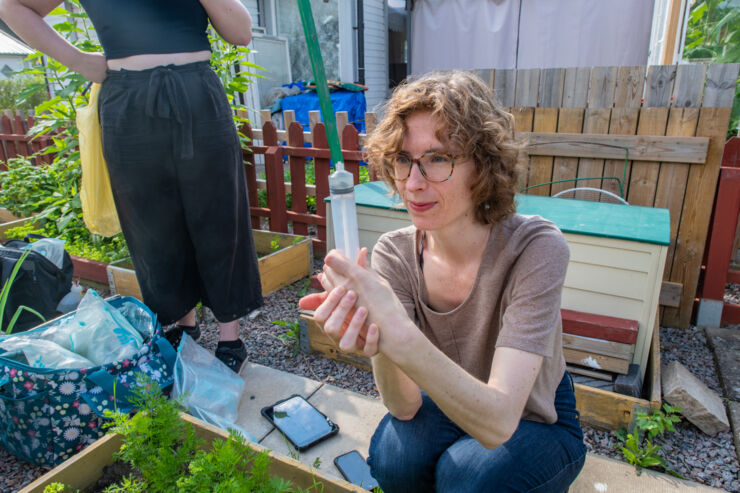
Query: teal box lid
x=624 y=222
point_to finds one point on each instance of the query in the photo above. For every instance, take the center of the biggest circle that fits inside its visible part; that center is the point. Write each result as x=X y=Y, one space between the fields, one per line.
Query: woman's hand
x=92 y=66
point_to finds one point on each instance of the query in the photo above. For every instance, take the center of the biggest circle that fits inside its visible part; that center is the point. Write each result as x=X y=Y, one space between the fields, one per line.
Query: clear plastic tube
x=344 y=212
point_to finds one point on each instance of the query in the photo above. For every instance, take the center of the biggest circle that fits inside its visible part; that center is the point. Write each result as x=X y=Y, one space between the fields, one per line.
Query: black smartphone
x=355 y=470
x=303 y=424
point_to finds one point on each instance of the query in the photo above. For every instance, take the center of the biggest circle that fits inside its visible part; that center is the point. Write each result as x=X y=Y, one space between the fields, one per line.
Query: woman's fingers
x=324 y=310
x=349 y=340
x=362 y=258
x=371 y=340
x=335 y=323
x=313 y=300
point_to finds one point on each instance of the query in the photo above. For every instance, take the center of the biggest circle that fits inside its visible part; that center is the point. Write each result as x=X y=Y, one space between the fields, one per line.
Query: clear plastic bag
x=208 y=388
x=51 y=248
x=39 y=353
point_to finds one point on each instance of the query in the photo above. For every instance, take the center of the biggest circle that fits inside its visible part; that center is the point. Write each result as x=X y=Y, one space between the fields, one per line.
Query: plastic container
x=70 y=300
x=344 y=212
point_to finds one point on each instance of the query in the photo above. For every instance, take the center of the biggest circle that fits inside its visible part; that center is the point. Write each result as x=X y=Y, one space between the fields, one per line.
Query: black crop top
x=139 y=27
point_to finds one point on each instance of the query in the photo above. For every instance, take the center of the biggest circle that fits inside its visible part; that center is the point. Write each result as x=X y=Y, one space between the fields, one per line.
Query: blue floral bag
x=47 y=415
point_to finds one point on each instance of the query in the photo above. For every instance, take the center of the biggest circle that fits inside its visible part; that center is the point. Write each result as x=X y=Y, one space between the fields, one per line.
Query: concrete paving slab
x=733 y=412
x=265 y=386
x=726 y=346
x=604 y=475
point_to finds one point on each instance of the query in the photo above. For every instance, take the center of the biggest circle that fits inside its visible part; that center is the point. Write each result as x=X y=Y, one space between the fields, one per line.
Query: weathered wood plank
x=719 y=91
x=505 y=86
x=552 y=81
x=659 y=87
x=540 y=167
x=673 y=177
x=565 y=169
x=644 y=176
x=599 y=326
x=630 y=86
x=687 y=91
x=575 y=88
x=596 y=361
x=602 y=86
x=288 y=118
x=692 y=231
x=527 y=87
x=592 y=145
x=486 y=75
x=342 y=119
x=599 y=346
x=670 y=293
x=601 y=375
x=523 y=120
x=314 y=117
x=590 y=170
x=623 y=121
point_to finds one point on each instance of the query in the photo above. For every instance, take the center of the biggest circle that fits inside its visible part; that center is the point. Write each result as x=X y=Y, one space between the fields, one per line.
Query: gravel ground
x=708 y=460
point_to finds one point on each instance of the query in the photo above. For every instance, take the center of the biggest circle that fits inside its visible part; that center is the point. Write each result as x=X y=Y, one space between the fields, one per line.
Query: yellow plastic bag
x=98 y=209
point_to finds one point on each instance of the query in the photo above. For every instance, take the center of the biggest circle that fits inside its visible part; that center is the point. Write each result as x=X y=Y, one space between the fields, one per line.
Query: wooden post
x=351 y=142
x=322 y=169
x=540 y=167
x=275 y=180
x=250 y=170
x=297 y=176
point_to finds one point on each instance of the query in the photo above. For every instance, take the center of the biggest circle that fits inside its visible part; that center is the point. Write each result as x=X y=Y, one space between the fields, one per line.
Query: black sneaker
x=232 y=353
x=174 y=334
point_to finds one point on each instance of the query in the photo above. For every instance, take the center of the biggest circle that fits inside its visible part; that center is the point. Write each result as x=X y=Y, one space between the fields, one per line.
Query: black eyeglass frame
x=417 y=161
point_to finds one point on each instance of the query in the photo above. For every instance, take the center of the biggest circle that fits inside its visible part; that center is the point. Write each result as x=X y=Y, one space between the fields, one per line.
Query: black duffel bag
x=39 y=284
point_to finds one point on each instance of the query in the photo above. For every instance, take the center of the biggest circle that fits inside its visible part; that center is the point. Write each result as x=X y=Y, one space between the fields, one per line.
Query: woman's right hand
x=92 y=66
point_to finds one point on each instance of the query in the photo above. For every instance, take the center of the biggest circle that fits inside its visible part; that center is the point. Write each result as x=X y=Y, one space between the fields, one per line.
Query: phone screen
x=300 y=421
x=355 y=470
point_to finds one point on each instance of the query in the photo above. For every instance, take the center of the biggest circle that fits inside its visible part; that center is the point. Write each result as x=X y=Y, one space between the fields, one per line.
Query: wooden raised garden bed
x=598 y=407
x=83 y=470
x=283 y=259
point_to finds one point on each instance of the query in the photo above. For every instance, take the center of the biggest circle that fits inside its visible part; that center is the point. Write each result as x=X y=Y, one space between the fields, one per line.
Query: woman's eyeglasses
x=434 y=166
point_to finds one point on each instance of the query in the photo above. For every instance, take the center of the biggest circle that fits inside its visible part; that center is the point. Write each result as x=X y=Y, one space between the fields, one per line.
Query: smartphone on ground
x=355 y=470
x=300 y=422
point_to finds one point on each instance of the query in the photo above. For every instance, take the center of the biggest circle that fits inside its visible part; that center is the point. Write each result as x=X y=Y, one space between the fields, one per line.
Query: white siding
x=376 y=52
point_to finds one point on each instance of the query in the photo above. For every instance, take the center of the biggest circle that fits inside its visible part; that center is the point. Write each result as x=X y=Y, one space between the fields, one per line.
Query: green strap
x=319 y=76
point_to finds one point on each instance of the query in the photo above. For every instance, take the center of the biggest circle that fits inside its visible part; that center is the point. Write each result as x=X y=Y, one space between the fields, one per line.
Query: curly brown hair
x=471 y=122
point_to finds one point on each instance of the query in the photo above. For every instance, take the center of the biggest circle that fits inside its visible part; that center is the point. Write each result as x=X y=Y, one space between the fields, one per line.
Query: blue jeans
x=431 y=453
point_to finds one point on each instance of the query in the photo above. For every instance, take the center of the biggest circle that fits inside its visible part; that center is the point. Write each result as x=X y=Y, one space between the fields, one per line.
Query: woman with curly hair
x=460 y=312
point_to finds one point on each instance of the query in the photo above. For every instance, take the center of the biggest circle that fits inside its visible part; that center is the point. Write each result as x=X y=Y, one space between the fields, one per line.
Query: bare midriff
x=143 y=62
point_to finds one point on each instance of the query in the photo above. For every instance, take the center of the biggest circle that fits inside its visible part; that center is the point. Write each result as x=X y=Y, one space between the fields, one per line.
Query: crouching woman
x=460 y=312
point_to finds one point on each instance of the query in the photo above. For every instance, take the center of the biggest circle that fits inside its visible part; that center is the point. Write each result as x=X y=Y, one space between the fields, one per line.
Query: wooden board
x=600 y=375
x=552 y=81
x=523 y=120
x=575 y=87
x=527 y=87
x=659 y=87
x=318 y=341
x=673 y=177
x=596 y=361
x=643 y=178
x=670 y=292
x=645 y=147
x=719 y=91
x=687 y=91
x=623 y=121
x=505 y=86
x=599 y=346
x=540 y=167
x=590 y=171
x=565 y=169
x=692 y=233
x=602 y=87
x=599 y=326
x=84 y=469
x=630 y=84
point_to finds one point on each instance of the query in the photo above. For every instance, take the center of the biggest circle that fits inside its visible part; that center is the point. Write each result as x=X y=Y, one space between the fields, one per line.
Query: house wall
x=376 y=52
x=14 y=62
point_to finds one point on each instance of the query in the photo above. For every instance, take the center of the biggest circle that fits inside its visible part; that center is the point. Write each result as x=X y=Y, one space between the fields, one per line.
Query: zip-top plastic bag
x=208 y=388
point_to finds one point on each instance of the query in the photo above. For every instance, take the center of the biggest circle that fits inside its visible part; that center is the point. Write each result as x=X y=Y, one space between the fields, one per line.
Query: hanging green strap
x=319 y=75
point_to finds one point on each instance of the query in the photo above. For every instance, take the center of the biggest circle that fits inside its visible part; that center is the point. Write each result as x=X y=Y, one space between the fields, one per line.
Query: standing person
x=172 y=151
x=460 y=311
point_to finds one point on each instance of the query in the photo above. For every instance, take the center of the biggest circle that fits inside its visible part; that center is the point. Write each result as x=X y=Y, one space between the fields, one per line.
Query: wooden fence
x=660 y=130
x=15 y=142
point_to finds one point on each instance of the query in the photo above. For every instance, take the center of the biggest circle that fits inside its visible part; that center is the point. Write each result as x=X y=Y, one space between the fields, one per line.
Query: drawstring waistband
x=167 y=98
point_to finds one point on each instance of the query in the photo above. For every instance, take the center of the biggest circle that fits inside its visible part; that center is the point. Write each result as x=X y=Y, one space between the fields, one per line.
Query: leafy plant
x=183 y=465
x=13 y=95
x=713 y=33
x=275 y=243
x=292 y=336
x=646 y=455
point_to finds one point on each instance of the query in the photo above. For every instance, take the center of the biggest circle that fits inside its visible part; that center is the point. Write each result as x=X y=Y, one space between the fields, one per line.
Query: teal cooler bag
x=47 y=415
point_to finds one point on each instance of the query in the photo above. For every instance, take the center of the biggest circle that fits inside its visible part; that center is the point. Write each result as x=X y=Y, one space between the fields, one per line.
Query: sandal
x=174 y=335
x=233 y=357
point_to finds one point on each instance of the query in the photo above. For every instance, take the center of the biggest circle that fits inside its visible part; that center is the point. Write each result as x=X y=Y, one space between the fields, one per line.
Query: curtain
x=501 y=34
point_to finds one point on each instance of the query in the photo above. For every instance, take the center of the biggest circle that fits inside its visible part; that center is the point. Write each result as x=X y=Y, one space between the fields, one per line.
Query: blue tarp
x=351 y=102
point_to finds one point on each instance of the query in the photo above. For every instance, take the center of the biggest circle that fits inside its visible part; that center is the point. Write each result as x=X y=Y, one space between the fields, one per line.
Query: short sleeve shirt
x=514 y=302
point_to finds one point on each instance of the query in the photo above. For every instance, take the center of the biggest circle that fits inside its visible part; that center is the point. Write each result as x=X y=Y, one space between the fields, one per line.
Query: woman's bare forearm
x=399 y=393
x=230 y=19
x=26 y=19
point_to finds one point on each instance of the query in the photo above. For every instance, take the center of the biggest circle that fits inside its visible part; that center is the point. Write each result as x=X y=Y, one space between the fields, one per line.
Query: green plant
x=183 y=464
x=292 y=337
x=316 y=462
x=646 y=455
x=304 y=289
x=713 y=33
x=275 y=243
x=5 y=292
x=13 y=94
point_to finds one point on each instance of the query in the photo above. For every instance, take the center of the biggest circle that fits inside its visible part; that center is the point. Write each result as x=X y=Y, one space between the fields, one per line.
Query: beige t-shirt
x=515 y=302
